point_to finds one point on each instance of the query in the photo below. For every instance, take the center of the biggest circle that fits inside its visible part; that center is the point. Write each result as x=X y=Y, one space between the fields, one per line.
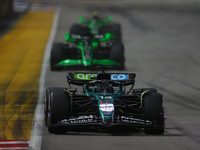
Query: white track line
x=38 y=121
x=14 y=142
x=14 y=148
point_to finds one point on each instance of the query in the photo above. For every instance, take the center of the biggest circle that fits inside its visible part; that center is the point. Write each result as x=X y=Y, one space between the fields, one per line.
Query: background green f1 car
x=86 y=52
x=104 y=103
x=96 y=25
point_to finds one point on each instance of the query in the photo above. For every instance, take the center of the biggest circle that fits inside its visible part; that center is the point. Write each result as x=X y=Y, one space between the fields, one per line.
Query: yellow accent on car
x=71 y=97
x=142 y=97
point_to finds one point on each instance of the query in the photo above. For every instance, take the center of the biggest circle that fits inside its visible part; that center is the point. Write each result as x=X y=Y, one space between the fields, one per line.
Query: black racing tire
x=46 y=105
x=117 y=54
x=116 y=30
x=79 y=29
x=57 y=52
x=47 y=101
x=59 y=109
x=75 y=29
x=154 y=112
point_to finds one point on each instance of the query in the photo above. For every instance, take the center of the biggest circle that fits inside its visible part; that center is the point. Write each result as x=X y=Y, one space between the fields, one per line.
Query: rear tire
x=117 y=54
x=59 y=109
x=116 y=30
x=56 y=56
x=154 y=112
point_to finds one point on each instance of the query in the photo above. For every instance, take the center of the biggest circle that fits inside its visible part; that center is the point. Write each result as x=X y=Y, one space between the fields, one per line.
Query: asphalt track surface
x=162 y=48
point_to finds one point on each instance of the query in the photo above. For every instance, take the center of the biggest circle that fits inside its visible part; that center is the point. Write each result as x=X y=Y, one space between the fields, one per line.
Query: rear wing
x=95 y=37
x=81 y=78
x=89 y=20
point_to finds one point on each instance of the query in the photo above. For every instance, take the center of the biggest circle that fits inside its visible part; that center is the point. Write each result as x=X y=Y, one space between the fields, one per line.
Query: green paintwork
x=107 y=37
x=110 y=98
x=84 y=76
x=105 y=99
x=67 y=38
x=87 y=62
x=95 y=24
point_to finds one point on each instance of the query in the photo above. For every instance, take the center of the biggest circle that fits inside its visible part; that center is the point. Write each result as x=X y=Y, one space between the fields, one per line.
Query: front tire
x=58 y=110
x=154 y=112
x=47 y=101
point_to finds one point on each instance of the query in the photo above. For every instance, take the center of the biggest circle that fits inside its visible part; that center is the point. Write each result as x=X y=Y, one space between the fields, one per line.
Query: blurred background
x=161 y=40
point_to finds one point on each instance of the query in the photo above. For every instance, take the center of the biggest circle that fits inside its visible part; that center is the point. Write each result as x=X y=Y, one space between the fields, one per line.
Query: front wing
x=82 y=62
x=93 y=120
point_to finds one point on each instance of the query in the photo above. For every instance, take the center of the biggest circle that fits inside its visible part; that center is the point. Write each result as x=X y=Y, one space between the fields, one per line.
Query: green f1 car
x=86 y=52
x=104 y=103
x=96 y=25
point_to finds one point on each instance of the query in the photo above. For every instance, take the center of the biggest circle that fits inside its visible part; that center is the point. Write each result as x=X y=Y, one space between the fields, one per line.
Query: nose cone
x=106 y=109
x=110 y=121
x=87 y=61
